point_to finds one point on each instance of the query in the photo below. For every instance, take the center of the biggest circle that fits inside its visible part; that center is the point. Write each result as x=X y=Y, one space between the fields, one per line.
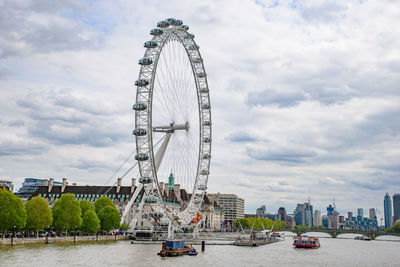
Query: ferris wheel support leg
x=130 y=203
x=161 y=151
x=137 y=215
x=170 y=231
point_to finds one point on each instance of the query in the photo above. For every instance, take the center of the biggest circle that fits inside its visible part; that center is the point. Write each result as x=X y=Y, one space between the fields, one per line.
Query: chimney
x=51 y=184
x=162 y=188
x=133 y=185
x=46 y=182
x=64 y=184
x=177 y=191
x=119 y=184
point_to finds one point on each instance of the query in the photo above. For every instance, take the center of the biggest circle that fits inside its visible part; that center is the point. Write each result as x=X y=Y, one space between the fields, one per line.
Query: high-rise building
x=341 y=219
x=396 y=207
x=325 y=221
x=231 y=205
x=282 y=214
x=372 y=214
x=349 y=215
x=330 y=210
x=387 y=204
x=8 y=185
x=260 y=212
x=360 y=212
x=30 y=185
x=303 y=214
x=317 y=218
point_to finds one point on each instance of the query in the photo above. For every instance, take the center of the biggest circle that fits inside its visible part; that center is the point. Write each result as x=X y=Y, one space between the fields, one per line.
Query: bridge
x=336 y=232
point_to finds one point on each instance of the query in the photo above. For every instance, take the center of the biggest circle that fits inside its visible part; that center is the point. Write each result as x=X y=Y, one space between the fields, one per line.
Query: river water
x=333 y=252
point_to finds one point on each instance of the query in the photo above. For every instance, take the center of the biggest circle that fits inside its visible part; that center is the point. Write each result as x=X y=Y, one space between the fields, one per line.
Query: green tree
x=86 y=206
x=101 y=203
x=39 y=214
x=394 y=229
x=259 y=223
x=124 y=226
x=109 y=218
x=12 y=212
x=66 y=213
x=90 y=222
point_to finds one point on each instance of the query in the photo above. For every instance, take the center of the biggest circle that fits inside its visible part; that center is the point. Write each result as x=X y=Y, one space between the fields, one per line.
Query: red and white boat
x=306 y=242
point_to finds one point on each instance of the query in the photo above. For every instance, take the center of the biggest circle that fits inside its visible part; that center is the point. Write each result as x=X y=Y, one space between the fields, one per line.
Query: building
x=8 y=185
x=349 y=215
x=174 y=197
x=325 y=221
x=387 y=204
x=303 y=214
x=232 y=206
x=260 y=212
x=317 y=218
x=30 y=185
x=372 y=214
x=360 y=212
x=282 y=214
x=333 y=216
x=396 y=207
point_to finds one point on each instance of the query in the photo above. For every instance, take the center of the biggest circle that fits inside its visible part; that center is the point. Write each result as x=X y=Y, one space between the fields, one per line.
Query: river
x=333 y=252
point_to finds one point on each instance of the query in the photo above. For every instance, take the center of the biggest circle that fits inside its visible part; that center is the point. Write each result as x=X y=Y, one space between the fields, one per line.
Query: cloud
x=11 y=148
x=272 y=97
x=283 y=155
x=240 y=137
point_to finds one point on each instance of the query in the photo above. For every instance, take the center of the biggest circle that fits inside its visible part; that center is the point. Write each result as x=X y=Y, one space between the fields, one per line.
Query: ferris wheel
x=172 y=124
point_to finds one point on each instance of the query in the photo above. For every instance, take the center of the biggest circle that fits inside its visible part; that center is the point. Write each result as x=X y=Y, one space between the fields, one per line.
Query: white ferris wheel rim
x=143 y=118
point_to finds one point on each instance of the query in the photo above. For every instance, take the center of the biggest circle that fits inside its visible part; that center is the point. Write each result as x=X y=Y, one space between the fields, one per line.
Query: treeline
x=394 y=229
x=67 y=214
x=259 y=223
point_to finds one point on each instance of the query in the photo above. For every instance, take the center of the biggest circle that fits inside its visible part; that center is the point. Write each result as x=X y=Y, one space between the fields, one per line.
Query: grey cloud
x=273 y=97
x=84 y=164
x=6 y=73
x=62 y=118
x=16 y=123
x=325 y=12
x=295 y=155
x=10 y=148
x=240 y=137
x=27 y=27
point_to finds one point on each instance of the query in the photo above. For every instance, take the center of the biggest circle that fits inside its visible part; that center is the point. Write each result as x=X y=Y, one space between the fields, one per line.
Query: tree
x=12 y=212
x=101 y=203
x=259 y=223
x=66 y=213
x=109 y=218
x=124 y=226
x=86 y=206
x=38 y=214
x=90 y=222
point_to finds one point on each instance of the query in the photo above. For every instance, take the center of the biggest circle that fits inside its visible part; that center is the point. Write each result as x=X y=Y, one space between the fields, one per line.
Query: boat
x=365 y=238
x=306 y=242
x=172 y=248
x=256 y=238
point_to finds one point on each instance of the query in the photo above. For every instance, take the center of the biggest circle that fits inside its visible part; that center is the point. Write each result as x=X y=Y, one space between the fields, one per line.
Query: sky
x=305 y=95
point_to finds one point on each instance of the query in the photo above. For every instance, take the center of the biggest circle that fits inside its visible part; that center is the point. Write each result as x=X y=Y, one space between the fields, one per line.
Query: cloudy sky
x=305 y=94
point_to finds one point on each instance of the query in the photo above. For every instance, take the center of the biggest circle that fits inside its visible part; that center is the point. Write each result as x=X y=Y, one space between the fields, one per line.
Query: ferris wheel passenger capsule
x=171 y=21
x=178 y=22
x=141 y=156
x=139 y=106
x=185 y=27
x=145 y=180
x=207 y=123
x=193 y=47
x=204 y=172
x=139 y=132
x=206 y=106
x=141 y=82
x=150 y=44
x=145 y=61
x=203 y=90
x=163 y=24
x=201 y=75
x=202 y=187
x=206 y=156
x=207 y=140
x=156 y=32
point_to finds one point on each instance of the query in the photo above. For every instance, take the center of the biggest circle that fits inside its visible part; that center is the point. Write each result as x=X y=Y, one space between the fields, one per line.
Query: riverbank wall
x=64 y=239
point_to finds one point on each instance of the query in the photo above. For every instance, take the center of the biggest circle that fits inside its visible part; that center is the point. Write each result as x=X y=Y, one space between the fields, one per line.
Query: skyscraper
x=350 y=215
x=396 y=207
x=317 y=218
x=387 y=204
x=282 y=214
x=360 y=212
x=372 y=214
x=260 y=212
x=303 y=214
